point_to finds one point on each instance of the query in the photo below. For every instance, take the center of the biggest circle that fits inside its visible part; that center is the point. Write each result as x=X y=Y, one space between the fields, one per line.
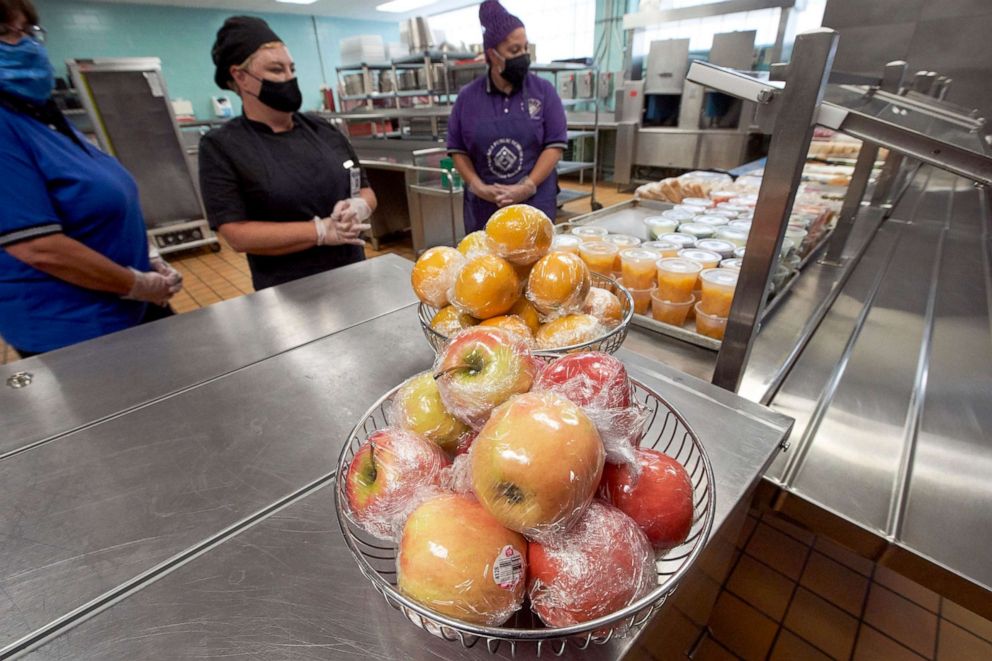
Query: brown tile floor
x=791 y=594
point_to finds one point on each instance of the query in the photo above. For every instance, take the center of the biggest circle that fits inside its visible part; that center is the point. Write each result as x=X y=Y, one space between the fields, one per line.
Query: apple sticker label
x=508 y=568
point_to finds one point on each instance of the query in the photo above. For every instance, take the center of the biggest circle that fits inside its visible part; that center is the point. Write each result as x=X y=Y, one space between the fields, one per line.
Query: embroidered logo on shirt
x=505 y=158
x=534 y=108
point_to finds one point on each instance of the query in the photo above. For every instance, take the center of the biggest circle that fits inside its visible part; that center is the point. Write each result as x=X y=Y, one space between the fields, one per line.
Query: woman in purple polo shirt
x=507 y=129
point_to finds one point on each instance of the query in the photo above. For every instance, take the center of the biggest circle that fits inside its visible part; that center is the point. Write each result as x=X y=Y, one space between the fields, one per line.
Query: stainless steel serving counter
x=196 y=519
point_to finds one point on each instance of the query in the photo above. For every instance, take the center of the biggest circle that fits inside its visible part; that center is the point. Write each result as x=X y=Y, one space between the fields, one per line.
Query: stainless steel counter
x=200 y=523
x=97 y=380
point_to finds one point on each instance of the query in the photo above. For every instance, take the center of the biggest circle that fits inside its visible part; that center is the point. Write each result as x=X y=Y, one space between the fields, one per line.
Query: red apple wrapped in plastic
x=658 y=496
x=600 y=566
x=598 y=383
x=456 y=559
x=392 y=472
x=480 y=369
x=537 y=464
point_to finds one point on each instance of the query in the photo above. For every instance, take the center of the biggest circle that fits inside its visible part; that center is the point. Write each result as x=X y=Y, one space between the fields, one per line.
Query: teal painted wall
x=181 y=37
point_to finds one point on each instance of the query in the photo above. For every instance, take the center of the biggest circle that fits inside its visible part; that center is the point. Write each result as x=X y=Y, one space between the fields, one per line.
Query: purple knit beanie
x=497 y=23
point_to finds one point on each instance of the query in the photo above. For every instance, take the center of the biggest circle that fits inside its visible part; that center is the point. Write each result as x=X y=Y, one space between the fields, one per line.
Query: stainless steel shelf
x=571 y=167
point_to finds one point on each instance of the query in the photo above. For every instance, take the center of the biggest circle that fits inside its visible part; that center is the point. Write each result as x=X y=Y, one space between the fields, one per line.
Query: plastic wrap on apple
x=519 y=233
x=536 y=464
x=456 y=559
x=603 y=564
x=390 y=474
x=417 y=407
x=457 y=478
x=598 y=383
x=481 y=368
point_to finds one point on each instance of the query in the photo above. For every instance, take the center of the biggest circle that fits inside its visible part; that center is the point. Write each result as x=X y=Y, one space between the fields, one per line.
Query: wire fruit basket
x=666 y=431
x=608 y=343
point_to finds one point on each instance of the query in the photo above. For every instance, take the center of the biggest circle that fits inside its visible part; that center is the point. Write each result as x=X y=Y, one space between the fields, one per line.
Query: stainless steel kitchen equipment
x=880 y=352
x=209 y=499
x=128 y=105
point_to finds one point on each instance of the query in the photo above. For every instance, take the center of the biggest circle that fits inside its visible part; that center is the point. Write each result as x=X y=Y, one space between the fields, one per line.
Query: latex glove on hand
x=150 y=287
x=515 y=193
x=333 y=232
x=174 y=277
x=485 y=192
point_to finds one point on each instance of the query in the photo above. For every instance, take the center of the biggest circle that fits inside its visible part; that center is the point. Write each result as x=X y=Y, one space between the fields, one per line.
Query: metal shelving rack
x=791 y=100
x=444 y=90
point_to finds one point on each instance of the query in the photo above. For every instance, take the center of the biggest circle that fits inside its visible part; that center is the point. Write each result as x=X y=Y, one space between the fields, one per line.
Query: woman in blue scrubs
x=507 y=129
x=74 y=260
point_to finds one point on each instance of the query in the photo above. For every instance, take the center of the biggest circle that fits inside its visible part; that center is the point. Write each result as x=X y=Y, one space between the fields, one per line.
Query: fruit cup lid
x=720 y=277
x=700 y=256
x=679 y=265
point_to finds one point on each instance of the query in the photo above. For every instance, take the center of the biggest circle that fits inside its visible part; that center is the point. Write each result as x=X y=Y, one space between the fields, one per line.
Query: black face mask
x=284 y=96
x=515 y=69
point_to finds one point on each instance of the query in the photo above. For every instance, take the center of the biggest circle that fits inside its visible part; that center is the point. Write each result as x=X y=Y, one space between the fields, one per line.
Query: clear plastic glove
x=150 y=287
x=486 y=192
x=174 y=277
x=333 y=232
x=515 y=193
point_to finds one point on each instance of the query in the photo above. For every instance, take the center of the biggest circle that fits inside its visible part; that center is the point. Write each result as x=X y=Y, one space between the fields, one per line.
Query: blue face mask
x=25 y=71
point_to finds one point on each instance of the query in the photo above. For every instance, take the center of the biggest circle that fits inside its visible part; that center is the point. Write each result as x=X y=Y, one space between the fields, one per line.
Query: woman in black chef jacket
x=279 y=185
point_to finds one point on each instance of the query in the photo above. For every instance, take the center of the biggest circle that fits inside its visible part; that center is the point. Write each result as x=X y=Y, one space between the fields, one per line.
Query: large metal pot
x=387 y=81
x=354 y=84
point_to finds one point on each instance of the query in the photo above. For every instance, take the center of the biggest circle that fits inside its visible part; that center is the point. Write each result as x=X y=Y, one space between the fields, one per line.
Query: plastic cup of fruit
x=718 y=290
x=740 y=252
x=681 y=240
x=709 y=325
x=741 y=223
x=788 y=248
x=721 y=196
x=732 y=263
x=680 y=215
x=736 y=236
x=749 y=201
x=623 y=242
x=669 y=312
x=705 y=258
x=723 y=248
x=779 y=276
x=797 y=234
x=703 y=202
x=711 y=220
x=697 y=230
x=587 y=233
x=642 y=297
x=736 y=208
x=663 y=248
x=726 y=213
x=690 y=209
x=677 y=279
x=655 y=226
x=639 y=267
x=599 y=256
x=566 y=243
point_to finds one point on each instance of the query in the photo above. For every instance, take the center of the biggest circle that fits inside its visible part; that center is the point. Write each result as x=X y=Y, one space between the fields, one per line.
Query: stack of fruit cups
x=658 y=225
x=623 y=242
x=639 y=275
x=599 y=256
x=503 y=478
x=714 y=305
x=674 y=298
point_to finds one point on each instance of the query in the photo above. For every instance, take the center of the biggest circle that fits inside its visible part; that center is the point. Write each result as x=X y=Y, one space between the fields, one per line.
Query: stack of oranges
x=509 y=276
